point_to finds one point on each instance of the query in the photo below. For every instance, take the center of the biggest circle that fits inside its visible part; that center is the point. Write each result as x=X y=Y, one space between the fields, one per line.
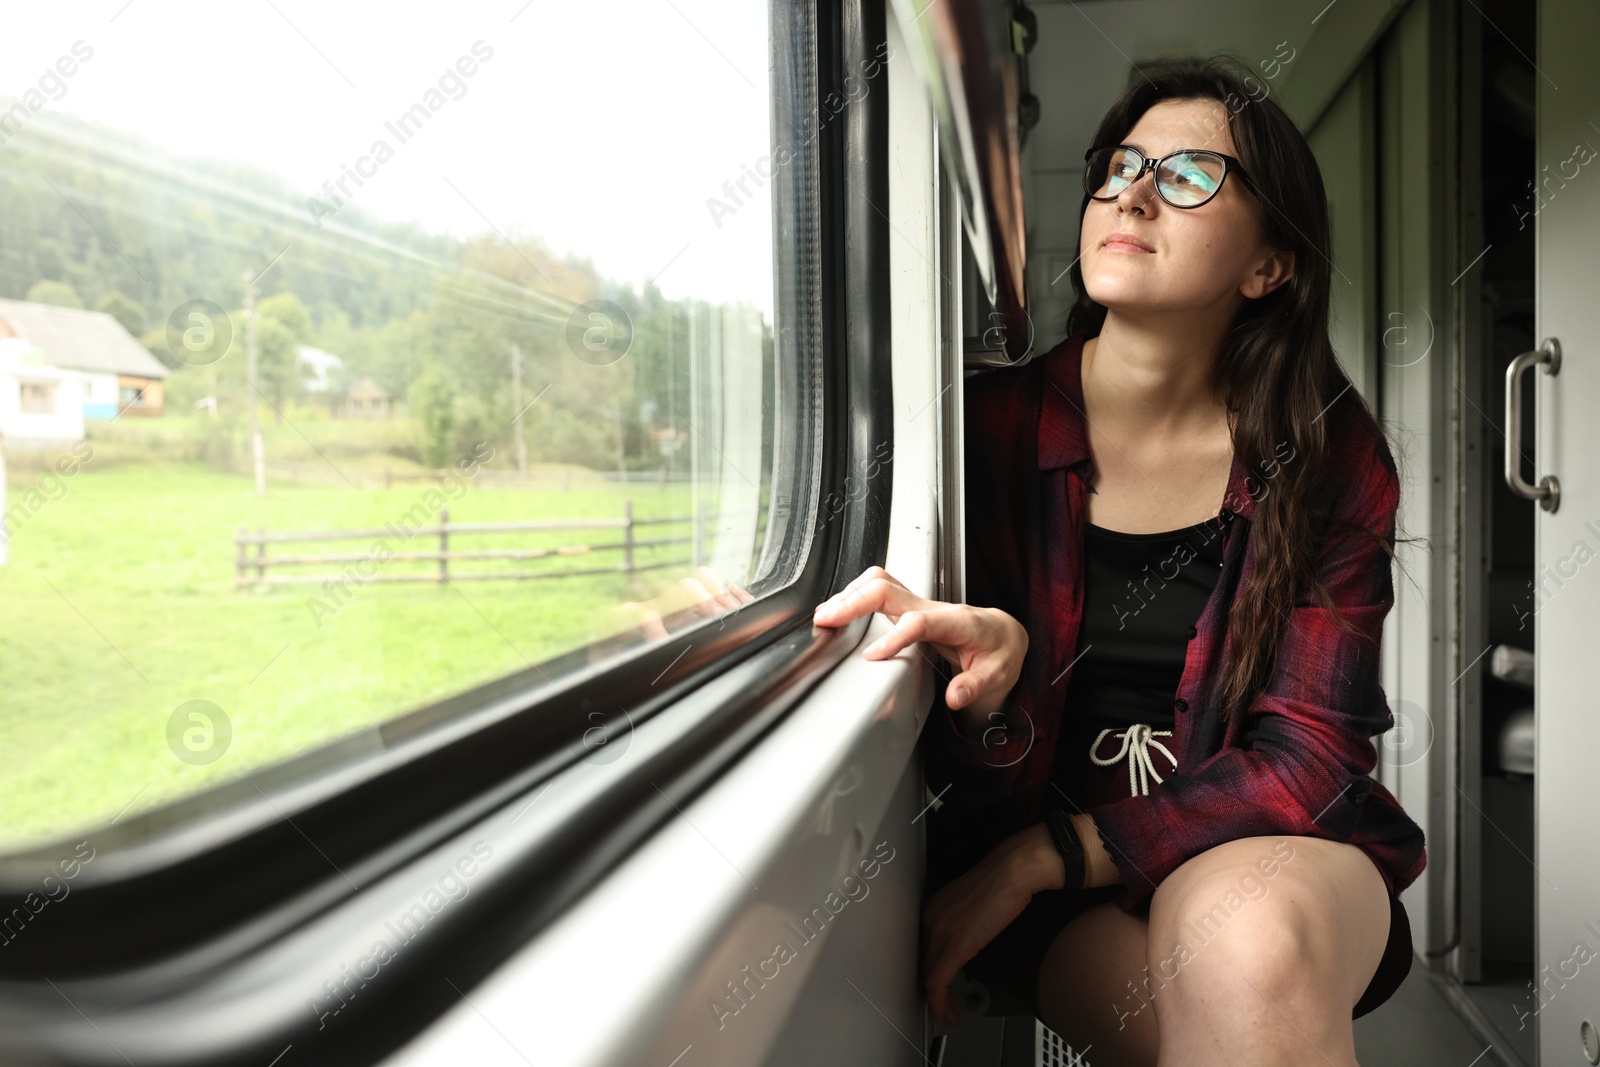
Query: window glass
x=348 y=365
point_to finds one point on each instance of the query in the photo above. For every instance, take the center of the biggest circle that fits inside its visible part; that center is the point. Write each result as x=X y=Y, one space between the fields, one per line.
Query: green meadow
x=119 y=605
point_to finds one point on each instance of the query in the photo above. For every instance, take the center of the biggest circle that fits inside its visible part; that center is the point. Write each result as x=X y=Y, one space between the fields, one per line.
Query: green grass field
x=119 y=605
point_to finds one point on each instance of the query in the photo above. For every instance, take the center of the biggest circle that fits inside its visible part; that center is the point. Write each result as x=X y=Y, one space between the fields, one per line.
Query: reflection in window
x=396 y=365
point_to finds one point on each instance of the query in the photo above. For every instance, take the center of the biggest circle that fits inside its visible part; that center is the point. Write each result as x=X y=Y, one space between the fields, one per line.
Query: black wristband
x=1064 y=832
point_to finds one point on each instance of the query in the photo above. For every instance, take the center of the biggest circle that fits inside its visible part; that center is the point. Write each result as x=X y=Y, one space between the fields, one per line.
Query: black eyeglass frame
x=1230 y=165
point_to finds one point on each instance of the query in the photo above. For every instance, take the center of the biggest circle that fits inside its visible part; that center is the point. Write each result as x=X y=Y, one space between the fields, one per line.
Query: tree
x=287 y=309
x=52 y=292
x=124 y=309
x=433 y=397
x=282 y=325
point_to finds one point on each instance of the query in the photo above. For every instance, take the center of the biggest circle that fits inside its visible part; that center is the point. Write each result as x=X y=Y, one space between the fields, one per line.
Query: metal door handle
x=1548 y=491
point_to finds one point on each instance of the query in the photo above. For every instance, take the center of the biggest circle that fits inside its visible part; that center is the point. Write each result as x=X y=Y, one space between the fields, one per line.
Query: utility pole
x=256 y=450
x=622 y=463
x=516 y=402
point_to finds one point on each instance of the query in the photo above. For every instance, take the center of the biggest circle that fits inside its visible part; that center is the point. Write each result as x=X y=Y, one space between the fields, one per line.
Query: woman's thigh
x=1093 y=988
x=1302 y=921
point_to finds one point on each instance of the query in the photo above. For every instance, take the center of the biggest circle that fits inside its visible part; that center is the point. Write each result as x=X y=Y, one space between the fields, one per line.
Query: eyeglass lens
x=1184 y=179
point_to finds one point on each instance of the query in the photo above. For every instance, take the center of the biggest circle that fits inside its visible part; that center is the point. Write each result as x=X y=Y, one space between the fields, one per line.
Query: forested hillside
x=99 y=218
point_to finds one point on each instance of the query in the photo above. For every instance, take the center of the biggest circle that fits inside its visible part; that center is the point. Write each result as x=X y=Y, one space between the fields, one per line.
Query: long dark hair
x=1277 y=373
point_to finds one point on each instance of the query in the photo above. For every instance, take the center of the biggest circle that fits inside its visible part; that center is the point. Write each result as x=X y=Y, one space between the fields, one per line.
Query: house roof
x=81 y=340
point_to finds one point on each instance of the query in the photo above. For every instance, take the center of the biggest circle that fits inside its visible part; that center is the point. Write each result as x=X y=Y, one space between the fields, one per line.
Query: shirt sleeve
x=999 y=741
x=982 y=762
x=1308 y=751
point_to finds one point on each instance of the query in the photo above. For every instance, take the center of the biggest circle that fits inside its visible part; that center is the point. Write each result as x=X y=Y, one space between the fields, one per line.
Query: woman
x=1180 y=535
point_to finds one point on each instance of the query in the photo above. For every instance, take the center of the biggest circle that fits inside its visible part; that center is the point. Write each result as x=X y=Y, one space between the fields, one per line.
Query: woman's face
x=1194 y=258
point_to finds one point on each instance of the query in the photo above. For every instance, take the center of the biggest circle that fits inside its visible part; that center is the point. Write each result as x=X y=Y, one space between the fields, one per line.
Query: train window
x=379 y=365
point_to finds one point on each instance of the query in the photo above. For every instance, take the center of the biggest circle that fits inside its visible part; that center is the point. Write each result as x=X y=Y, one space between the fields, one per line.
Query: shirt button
x=1193 y=633
x=1181 y=704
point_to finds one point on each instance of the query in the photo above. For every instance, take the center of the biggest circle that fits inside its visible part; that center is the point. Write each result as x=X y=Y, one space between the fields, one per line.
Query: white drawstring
x=1138 y=738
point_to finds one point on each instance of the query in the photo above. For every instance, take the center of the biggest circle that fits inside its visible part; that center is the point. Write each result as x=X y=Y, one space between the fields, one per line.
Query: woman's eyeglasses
x=1186 y=178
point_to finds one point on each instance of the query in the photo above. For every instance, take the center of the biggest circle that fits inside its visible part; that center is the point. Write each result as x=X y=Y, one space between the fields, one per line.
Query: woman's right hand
x=985 y=643
x=962 y=918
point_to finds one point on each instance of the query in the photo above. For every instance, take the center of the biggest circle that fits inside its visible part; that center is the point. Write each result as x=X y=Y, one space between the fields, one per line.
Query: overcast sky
x=603 y=127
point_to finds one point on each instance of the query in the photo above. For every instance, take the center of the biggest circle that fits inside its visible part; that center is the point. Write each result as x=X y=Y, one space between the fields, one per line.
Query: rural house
x=74 y=365
x=39 y=403
x=368 y=400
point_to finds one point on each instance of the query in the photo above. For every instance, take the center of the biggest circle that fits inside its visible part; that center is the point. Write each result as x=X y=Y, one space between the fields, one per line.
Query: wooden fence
x=586 y=479
x=253 y=563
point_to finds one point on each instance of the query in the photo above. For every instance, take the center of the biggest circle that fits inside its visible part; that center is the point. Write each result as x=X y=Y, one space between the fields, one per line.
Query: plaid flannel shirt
x=1296 y=762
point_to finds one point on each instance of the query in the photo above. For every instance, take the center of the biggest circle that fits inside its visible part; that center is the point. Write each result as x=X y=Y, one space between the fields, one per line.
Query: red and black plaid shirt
x=1296 y=762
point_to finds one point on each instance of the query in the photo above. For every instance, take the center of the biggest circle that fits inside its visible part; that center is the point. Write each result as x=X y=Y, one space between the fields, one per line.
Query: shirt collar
x=1063 y=428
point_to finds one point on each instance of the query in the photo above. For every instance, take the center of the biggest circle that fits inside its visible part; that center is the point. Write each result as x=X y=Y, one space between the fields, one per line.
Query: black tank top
x=1143 y=595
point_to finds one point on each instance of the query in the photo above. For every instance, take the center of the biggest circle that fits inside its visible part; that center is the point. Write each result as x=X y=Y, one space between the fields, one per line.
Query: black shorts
x=957 y=841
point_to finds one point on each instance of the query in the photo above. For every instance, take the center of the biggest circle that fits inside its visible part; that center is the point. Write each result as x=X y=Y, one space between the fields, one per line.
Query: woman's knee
x=1202 y=948
x=1217 y=916
x=1259 y=917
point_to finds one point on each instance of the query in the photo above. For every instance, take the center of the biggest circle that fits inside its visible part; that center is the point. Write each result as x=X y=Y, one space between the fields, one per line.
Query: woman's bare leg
x=1091 y=989
x=1255 y=953
x=1267 y=967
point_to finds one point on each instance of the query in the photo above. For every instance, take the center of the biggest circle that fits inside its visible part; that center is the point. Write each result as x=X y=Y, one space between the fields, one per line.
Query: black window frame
x=189 y=907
